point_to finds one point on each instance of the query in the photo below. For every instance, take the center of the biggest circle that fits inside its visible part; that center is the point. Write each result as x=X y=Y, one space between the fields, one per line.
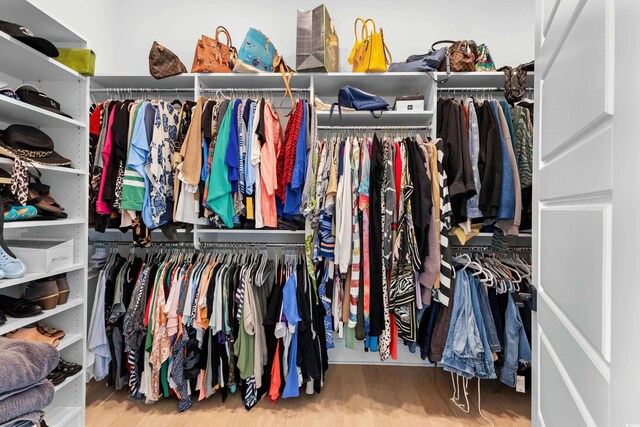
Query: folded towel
x=34 y=399
x=26 y=420
x=25 y=363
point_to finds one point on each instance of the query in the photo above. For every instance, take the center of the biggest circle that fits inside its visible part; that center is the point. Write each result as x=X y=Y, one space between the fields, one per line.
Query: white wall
x=121 y=32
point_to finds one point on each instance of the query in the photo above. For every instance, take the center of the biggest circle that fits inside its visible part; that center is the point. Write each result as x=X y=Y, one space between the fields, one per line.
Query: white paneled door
x=586 y=338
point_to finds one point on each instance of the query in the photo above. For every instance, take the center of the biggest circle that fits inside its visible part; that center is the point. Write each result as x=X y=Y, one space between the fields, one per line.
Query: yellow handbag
x=369 y=53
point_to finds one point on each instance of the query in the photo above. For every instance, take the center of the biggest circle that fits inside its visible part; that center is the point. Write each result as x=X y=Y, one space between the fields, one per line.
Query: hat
x=30 y=144
x=27 y=37
x=31 y=95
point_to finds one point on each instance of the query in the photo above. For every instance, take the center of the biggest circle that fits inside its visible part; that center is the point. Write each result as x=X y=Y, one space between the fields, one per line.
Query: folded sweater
x=24 y=363
x=34 y=399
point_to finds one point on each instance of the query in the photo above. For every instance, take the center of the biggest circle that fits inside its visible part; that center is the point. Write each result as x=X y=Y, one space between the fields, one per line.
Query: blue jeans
x=516 y=345
x=484 y=365
x=488 y=319
x=463 y=347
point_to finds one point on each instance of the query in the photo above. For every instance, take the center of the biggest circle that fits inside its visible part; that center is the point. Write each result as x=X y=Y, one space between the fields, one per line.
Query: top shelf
x=41 y=22
x=483 y=79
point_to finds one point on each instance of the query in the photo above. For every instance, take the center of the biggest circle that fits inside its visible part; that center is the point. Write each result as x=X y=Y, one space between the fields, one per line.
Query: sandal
x=46 y=205
x=33 y=335
x=49 y=331
x=63 y=371
x=19 y=307
x=56 y=377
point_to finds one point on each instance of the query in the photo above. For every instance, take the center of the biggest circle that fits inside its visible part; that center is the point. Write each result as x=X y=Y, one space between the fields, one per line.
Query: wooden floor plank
x=352 y=396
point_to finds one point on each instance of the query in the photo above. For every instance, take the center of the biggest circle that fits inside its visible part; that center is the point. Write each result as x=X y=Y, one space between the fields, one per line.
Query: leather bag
x=461 y=55
x=212 y=56
x=369 y=53
x=164 y=63
x=515 y=81
x=257 y=51
x=359 y=100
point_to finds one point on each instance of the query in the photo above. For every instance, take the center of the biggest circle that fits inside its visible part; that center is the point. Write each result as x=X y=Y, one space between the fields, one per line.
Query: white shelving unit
x=325 y=86
x=22 y=65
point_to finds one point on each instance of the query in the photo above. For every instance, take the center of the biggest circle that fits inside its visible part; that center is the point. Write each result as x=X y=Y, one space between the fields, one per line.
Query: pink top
x=269 y=181
x=101 y=206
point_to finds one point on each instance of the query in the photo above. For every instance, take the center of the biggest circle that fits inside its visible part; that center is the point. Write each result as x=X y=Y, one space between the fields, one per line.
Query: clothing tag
x=520 y=384
x=249 y=203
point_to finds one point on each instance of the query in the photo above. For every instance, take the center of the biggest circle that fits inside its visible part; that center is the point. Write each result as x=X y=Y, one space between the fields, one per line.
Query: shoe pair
x=63 y=371
x=48 y=292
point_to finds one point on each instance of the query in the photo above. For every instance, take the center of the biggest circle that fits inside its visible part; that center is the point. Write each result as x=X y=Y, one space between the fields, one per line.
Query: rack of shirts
x=229 y=318
x=227 y=162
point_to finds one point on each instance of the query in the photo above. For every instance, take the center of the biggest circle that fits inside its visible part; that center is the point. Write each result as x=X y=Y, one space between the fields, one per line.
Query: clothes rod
x=374 y=127
x=241 y=245
x=477 y=89
x=175 y=244
x=253 y=89
x=141 y=89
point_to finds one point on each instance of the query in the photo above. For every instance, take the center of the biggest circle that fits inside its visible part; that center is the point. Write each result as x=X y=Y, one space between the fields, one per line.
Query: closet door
x=587 y=169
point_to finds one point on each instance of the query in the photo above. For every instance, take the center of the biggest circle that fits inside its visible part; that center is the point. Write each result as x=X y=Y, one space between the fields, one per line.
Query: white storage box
x=43 y=255
x=409 y=103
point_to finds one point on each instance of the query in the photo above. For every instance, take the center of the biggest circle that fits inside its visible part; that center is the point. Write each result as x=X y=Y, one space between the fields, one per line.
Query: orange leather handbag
x=212 y=56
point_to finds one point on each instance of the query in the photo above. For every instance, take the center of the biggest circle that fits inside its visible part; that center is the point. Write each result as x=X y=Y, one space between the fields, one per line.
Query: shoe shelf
x=17 y=323
x=29 y=277
x=69 y=380
x=69 y=340
x=43 y=223
x=4 y=161
x=63 y=416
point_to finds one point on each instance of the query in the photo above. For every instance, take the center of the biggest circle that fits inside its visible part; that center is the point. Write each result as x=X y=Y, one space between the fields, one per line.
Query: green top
x=220 y=199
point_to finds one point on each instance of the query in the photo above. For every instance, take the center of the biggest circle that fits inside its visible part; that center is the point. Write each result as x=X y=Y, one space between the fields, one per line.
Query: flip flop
x=19 y=307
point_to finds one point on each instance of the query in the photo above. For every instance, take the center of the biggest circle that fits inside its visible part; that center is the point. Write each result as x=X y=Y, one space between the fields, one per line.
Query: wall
x=122 y=33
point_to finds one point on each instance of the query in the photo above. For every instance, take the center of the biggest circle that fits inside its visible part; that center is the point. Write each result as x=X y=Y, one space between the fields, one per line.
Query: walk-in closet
x=298 y=213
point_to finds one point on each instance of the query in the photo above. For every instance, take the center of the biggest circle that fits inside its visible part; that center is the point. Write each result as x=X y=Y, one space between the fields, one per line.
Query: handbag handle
x=224 y=31
x=362 y=32
x=387 y=52
x=433 y=46
x=372 y=23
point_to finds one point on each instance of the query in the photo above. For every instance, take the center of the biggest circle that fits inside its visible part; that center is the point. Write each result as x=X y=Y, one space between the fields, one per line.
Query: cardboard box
x=43 y=255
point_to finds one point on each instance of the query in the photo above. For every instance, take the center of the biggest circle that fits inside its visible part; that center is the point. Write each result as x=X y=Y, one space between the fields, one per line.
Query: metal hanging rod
x=129 y=243
x=141 y=89
x=242 y=245
x=374 y=127
x=253 y=89
x=471 y=248
x=477 y=89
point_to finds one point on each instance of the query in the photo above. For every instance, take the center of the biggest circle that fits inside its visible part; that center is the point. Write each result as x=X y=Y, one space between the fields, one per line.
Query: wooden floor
x=352 y=396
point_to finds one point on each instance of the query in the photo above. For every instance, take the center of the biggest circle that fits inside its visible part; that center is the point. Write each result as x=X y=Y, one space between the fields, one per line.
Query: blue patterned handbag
x=258 y=51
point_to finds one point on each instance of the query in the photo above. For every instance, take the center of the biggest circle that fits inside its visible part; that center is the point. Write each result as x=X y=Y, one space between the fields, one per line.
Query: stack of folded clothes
x=24 y=388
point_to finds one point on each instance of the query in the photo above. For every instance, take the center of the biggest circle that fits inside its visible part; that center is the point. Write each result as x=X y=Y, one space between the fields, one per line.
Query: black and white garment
x=442 y=294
